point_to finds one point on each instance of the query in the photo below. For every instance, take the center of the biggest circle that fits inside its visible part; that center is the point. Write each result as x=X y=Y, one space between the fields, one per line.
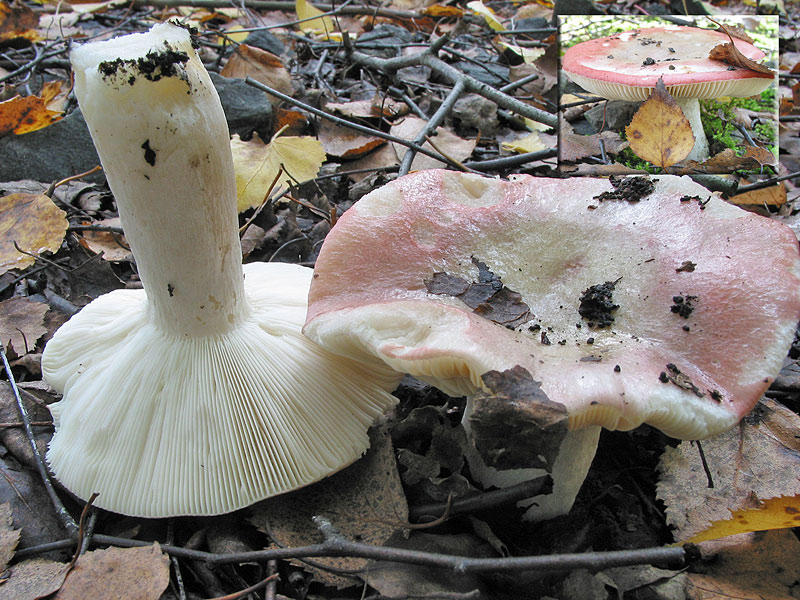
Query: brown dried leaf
x=114 y=246
x=9 y=537
x=377 y=108
x=573 y=147
x=33 y=579
x=659 y=132
x=344 y=142
x=730 y=54
x=263 y=66
x=446 y=141
x=17 y=20
x=727 y=160
x=34 y=223
x=774 y=195
x=21 y=324
x=363 y=502
x=130 y=573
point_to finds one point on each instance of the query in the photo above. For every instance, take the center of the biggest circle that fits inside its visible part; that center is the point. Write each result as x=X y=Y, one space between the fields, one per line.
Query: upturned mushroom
x=197 y=395
x=627 y=66
x=560 y=306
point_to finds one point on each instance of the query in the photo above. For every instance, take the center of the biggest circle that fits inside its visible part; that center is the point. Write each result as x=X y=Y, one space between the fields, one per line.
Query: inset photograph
x=668 y=94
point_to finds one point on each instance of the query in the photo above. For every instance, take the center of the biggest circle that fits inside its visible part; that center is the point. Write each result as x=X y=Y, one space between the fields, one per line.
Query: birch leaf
x=782 y=512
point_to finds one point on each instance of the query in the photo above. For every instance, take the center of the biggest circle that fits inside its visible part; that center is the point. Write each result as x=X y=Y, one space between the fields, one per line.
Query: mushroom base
x=164 y=425
x=691 y=110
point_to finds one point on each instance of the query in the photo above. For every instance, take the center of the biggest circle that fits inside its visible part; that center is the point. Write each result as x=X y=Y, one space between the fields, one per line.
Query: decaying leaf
x=21 y=324
x=730 y=54
x=774 y=195
x=23 y=114
x=133 y=573
x=364 y=502
x=263 y=66
x=773 y=513
x=34 y=223
x=727 y=160
x=257 y=165
x=33 y=579
x=659 y=132
x=9 y=537
x=573 y=147
x=378 y=107
x=344 y=142
x=17 y=20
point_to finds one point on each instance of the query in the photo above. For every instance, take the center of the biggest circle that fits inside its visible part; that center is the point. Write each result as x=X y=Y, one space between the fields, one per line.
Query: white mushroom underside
x=167 y=425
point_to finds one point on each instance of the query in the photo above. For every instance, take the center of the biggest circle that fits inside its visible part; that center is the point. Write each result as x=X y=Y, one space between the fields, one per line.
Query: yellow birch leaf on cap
x=529 y=143
x=782 y=512
x=659 y=132
x=257 y=165
x=487 y=13
x=34 y=223
x=319 y=23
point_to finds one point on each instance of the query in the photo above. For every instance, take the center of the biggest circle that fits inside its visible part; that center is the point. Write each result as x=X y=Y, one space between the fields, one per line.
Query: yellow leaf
x=782 y=512
x=529 y=55
x=529 y=143
x=659 y=132
x=34 y=223
x=318 y=23
x=235 y=34
x=487 y=13
x=535 y=125
x=774 y=195
x=437 y=10
x=257 y=164
x=25 y=114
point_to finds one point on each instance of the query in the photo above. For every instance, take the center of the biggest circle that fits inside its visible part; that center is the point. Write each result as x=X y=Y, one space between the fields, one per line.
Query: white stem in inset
x=171 y=172
x=691 y=110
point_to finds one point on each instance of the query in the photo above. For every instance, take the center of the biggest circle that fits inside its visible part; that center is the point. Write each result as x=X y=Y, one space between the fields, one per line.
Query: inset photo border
x=668 y=94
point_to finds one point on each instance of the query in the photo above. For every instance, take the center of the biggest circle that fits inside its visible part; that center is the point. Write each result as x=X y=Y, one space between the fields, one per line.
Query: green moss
x=628 y=158
x=718 y=121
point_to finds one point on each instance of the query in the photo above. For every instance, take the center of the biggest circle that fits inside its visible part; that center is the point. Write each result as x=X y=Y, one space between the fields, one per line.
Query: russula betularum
x=197 y=395
x=627 y=66
x=560 y=306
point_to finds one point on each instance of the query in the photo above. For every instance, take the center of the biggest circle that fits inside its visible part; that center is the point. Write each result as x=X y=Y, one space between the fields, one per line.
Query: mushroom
x=199 y=394
x=627 y=66
x=560 y=306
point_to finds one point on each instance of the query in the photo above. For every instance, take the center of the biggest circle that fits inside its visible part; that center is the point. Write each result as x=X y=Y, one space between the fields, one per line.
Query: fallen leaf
x=263 y=66
x=529 y=143
x=9 y=537
x=114 y=246
x=23 y=114
x=727 y=160
x=344 y=142
x=257 y=165
x=318 y=23
x=774 y=195
x=364 y=502
x=758 y=458
x=730 y=54
x=377 y=108
x=21 y=324
x=33 y=579
x=446 y=141
x=573 y=147
x=782 y=512
x=529 y=55
x=659 y=132
x=131 y=573
x=35 y=223
x=17 y=20
x=479 y=8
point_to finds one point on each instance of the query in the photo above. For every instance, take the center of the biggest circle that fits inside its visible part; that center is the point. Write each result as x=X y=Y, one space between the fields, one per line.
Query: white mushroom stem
x=163 y=145
x=691 y=110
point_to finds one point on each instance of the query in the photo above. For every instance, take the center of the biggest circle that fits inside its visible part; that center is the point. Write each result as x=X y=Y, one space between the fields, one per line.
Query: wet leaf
x=659 y=132
x=364 y=502
x=257 y=164
x=782 y=512
x=34 y=223
x=131 y=573
x=21 y=324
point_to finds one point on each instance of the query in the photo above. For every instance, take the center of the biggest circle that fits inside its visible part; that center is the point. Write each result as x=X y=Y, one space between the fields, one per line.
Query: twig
x=79 y=549
x=246 y=591
x=511 y=161
x=345 y=122
x=288 y=6
x=766 y=182
x=509 y=495
x=61 y=512
x=705 y=464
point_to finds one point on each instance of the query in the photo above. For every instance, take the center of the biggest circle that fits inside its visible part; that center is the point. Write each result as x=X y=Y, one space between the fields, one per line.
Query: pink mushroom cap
x=626 y=66
x=692 y=375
